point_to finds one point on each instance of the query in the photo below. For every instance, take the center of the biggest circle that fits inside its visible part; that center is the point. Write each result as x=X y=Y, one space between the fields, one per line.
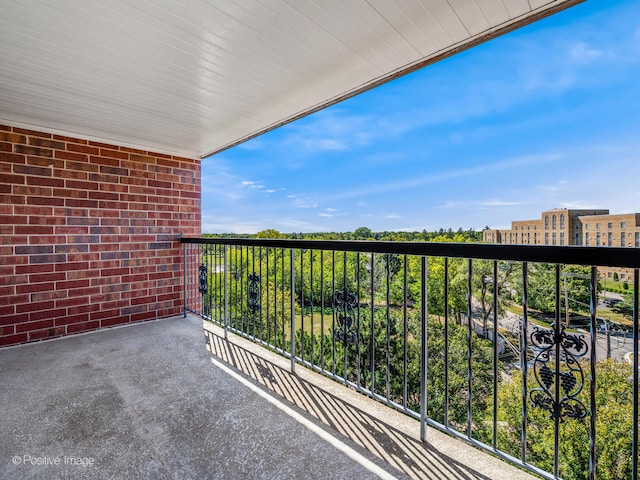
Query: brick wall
x=88 y=234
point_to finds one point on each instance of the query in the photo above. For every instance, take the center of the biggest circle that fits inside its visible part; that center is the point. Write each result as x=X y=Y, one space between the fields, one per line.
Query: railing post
x=225 y=275
x=636 y=386
x=523 y=357
x=293 y=310
x=184 y=279
x=592 y=377
x=423 y=351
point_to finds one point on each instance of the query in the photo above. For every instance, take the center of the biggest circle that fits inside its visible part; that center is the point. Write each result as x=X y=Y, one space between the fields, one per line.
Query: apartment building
x=593 y=228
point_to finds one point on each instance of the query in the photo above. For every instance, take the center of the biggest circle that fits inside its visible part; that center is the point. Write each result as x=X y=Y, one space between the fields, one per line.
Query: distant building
x=593 y=228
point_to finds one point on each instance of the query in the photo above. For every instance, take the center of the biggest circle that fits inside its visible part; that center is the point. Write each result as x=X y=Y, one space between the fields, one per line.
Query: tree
x=270 y=233
x=613 y=426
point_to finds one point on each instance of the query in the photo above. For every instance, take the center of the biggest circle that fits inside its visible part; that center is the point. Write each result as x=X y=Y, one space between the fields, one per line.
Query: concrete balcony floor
x=155 y=400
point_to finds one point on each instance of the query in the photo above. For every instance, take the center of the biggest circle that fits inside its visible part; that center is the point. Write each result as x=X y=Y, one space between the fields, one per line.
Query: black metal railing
x=507 y=347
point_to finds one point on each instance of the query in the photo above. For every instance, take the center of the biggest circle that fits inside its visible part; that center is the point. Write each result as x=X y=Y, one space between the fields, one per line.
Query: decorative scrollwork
x=561 y=382
x=253 y=288
x=344 y=301
x=203 y=279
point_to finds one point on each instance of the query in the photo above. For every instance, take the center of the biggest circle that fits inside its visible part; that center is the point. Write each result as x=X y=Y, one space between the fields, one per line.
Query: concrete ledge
x=386 y=433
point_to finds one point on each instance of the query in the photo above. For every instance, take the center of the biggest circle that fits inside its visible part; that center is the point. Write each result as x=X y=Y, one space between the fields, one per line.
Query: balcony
x=542 y=397
x=173 y=398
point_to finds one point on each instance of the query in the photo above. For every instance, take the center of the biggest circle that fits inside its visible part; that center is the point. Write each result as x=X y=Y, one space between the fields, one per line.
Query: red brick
x=33 y=133
x=70 y=193
x=82 y=327
x=46 y=277
x=38 y=268
x=71 y=319
x=43 y=296
x=41 y=142
x=35 y=151
x=52 y=201
x=56 y=163
x=37 y=325
x=33 y=230
x=12 y=137
x=119 y=320
x=105 y=152
x=70 y=139
x=74 y=147
x=64 y=267
x=74 y=156
x=37 y=287
x=47 y=314
x=143 y=316
x=13 y=339
x=34 y=307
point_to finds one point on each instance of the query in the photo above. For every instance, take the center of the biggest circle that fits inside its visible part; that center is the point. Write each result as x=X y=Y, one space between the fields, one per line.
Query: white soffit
x=193 y=77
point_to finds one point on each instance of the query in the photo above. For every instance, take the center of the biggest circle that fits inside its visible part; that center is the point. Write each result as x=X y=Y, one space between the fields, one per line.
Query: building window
x=586 y=238
x=546 y=239
x=623 y=224
x=586 y=226
x=553 y=222
x=597 y=226
x=577 y=239
x=561 y=238
x=609 y=225
x=609 y=274
x=562 y=221
x=623 y=239
x=554 y=238
x=623 y=276
x=528 y=239
x=546 y=222
x=535 y=238
x=610 y=239
x=598 y=239
x=637 y=239
x=522 y=238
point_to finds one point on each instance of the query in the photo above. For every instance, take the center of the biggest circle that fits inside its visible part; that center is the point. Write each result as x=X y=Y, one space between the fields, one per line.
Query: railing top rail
x=575 y=255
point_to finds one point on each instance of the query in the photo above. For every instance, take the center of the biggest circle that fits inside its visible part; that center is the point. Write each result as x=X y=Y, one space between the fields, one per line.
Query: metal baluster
x=592 y=377
x=446 y=342
x=311 y=300
x=344 y=343
x=226 y=292
x=557 y=332
x=184 y=280
x=423 y=349
x=388 y=339
x=333 y=315
x=302 y=336
x=406 y=336
x=495 y=353
x=358 y=320
x=469 y=346
x=524 y=364
x=636 y=385
x=292 y=268
x=373 y=329
x=322 y=310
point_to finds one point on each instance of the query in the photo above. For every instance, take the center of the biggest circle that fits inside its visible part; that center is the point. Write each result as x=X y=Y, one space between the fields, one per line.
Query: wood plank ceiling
x=193 y=77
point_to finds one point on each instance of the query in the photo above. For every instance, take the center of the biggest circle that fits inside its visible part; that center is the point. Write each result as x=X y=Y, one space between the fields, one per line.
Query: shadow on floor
x=403 y=452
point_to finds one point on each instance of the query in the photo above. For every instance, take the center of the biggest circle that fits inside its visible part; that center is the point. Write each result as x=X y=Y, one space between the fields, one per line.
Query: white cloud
x=583 y=52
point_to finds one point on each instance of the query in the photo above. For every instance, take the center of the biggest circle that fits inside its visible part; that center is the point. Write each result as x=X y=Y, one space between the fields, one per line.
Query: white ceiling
x=193 y=77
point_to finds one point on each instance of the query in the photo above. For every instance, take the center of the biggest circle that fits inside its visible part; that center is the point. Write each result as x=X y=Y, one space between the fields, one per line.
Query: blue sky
x=544 y=117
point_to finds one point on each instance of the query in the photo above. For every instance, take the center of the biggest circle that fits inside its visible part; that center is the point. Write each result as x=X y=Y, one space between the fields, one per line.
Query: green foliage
x=613 y=426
